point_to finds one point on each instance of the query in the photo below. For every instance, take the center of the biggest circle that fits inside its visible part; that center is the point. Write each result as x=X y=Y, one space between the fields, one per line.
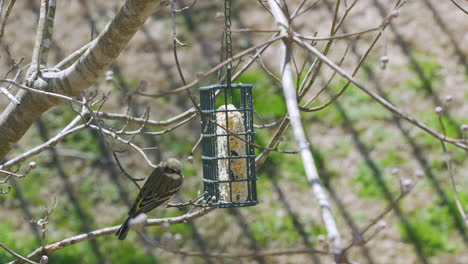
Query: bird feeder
x=228 y=153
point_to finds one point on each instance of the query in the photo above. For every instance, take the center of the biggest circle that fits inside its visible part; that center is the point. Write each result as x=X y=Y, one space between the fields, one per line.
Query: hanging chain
x=227 y=33
x=228 y=45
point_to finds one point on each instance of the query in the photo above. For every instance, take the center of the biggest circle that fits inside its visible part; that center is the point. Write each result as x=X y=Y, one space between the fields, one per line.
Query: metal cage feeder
x=229 y=175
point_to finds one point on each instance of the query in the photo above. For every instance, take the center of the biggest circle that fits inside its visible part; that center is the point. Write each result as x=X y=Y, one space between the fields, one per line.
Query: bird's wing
x=160 y=196
x=150 y=181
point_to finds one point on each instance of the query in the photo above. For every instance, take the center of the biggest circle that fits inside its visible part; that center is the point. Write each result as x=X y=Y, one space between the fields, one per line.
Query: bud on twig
x=32 y=165
x=464 y=128
x=178 y=237
x=199 y=75
x=448 y=99
x=407 y=184
x=219 y=16
x=439 y=110
x=190 y=159
x=44 y=260
x=419 y=174
x=384 y=61
x=381 y=224
x=109 y=76
x=321 y=238
x=395 y=13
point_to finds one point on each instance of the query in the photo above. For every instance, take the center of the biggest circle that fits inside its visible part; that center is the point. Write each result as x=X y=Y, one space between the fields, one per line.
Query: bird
x=162 y=184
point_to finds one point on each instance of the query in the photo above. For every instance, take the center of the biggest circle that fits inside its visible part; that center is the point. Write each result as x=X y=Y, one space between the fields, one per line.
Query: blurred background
x=362 y=150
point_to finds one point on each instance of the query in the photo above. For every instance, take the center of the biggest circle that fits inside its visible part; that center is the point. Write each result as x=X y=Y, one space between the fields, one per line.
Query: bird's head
x=172 y=166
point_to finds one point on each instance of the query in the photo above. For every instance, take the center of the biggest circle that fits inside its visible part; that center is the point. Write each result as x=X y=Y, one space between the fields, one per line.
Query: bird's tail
x=123 y=230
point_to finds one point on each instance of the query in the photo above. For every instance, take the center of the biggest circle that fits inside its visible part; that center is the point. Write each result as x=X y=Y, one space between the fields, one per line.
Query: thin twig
x=68 y=130
x=242 y=30
x=461 y=8
x=295 y=15
x=56 y=95
x=10 y=96
x=195 y=202
x=213 y=70
x=72 y=58
x=448 y=163
x=175 y=41
x=251 y=254
x=324 y=88
x=186 y=7
x=232 y=134
x=379 y=217
x=378 y=98
x=342 y=36
x=17 y=255
x=136 y=120
x=11 y=4
x=40 y=36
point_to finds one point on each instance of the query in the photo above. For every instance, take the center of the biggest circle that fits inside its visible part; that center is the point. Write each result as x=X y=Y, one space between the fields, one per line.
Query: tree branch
x=111 y=230
x=17 y=119
x=378 y=98
x=298 y=130
x=16 y=254
x=251 y=254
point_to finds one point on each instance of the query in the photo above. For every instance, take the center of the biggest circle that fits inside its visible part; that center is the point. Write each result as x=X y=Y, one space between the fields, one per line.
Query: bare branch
x=32 y=165
x=11 y=4
x=41 y=92
x=404 y=192
x=448 y=163
x=79 y=76
x=214 y=69
x=17 y=255
x=111 y=230
x=378 y=98
x=72 y=58
x=233 y=134
x=10 y=97
x=459 y=7
x=69 y=129
x=124 y=141
x=250 y=254
x=122 y=117
x=186 y=7
x=296 y=124
x=37 y=59
x=342 y=36
x=195 y=202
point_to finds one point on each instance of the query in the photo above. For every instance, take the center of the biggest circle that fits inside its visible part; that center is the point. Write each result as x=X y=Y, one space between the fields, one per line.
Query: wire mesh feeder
x=229 y=175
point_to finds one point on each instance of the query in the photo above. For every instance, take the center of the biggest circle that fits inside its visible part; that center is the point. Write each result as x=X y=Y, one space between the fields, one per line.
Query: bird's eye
x=170 y=170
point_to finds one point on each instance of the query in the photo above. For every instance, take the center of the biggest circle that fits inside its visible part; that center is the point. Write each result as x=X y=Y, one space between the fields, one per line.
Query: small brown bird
x=163 y=183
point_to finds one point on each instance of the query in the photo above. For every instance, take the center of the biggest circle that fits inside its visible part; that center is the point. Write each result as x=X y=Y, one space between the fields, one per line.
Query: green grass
x=392 y=159
x=83 y=141
x=271 y=226
x=431 y=70
x=433 y=225
x=365 y=182
x=265 y=95
x=23 y=246
x=361 y=107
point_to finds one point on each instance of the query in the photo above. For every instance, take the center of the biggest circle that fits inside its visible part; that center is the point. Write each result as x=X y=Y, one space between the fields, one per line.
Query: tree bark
x=17 y=119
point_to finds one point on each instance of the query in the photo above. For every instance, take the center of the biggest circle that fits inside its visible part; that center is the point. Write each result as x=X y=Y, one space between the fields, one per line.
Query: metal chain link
x=227 y=33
